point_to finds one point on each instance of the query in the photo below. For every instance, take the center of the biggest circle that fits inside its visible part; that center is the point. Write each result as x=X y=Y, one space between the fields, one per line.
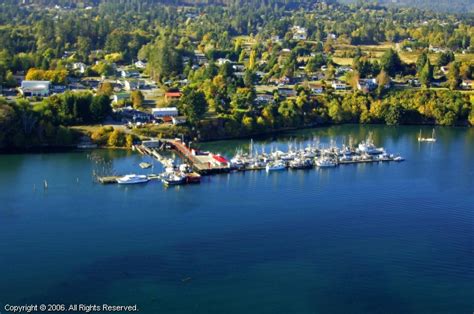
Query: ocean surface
x=368 y=238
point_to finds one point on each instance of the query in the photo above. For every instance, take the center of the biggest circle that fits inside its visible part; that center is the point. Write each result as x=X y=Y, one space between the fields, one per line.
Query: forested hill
x=459 y=6
x=454 y=6
x=84 y=3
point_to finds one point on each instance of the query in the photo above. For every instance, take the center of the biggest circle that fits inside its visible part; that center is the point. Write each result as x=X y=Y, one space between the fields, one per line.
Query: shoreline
x=68 y=148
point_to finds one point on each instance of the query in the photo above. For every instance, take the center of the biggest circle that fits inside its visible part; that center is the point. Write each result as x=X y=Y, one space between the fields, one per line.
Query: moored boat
x=325 y=162
x=427 y=139
x=275 y=166
x=145 y=165
x=301 y=164
x=193 y=178
x=368 y=147
x=132 y=179
x=173 y=178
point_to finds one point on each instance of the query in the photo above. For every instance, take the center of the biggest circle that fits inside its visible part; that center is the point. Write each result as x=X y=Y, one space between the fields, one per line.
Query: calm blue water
x=380 y=238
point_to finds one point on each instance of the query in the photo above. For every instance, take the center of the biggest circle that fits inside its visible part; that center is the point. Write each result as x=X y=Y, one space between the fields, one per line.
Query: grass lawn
x=342 y=61
x=468 y=57
x=265 y=88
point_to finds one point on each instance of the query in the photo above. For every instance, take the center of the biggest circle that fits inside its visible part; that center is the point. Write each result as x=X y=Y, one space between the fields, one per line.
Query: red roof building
x=172 y=96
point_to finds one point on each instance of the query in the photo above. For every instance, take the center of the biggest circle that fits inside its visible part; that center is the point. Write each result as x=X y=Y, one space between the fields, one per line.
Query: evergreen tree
x=426 y=74
x=391 y=62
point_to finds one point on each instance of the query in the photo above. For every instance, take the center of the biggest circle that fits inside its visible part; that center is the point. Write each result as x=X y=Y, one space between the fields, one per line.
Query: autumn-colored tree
x=137 y=98
x=105 y=88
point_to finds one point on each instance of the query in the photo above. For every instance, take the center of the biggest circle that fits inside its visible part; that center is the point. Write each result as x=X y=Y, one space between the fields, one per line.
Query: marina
x=197 y=163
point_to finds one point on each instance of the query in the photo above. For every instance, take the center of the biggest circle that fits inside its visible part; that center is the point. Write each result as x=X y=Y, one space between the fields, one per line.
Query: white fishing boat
x=132 y=179
x=427 y=139
x=325 y=162
x=368 y=147
x=173 y=178
x=301 y=163
x=275 y=166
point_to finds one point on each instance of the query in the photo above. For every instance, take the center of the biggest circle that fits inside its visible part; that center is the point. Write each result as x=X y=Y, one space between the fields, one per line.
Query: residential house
x=299 y=33
x=140 y=64
x=130 y=85
x=264 y=98
x=222 y=61
x=285 y=80
x=367 y=85
x=200 y=57
x=337 y=85
x=79 y=67
x=316 y=88
x=414 y=82
x=35 y=88
x=286 y=92
x=342 y=70
x=130 y=114
x=120 y=98
x=238 y=67
x=467 y=84
x=129 y=73
x=172 y=95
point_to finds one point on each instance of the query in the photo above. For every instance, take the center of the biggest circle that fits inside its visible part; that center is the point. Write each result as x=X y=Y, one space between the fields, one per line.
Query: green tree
x=100 y=107
x=394 y=114
x=421 y=61
x=391 y=63
x=164 y=60
x=445 y=58
x=454 y=78
x=193 y=104
x=426 y=74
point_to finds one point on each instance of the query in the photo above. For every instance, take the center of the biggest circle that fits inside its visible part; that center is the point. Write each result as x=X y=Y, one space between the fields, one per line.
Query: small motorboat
x=275 y=166
x=173 y=178
x=145 y=165
x=398 y=158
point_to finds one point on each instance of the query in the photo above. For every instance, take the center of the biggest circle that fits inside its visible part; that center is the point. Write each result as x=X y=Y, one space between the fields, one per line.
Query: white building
x=339 y=85
x=129 y=74
x=299 y=33
x=140 y=64
x=222 y=61
x=80 y=67
x=275 y=39
x=165 y=112
x=130 y=85
x=35 y=88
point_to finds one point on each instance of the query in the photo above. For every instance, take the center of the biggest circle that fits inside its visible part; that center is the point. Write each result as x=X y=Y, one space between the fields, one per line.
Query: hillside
x=457 y=6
